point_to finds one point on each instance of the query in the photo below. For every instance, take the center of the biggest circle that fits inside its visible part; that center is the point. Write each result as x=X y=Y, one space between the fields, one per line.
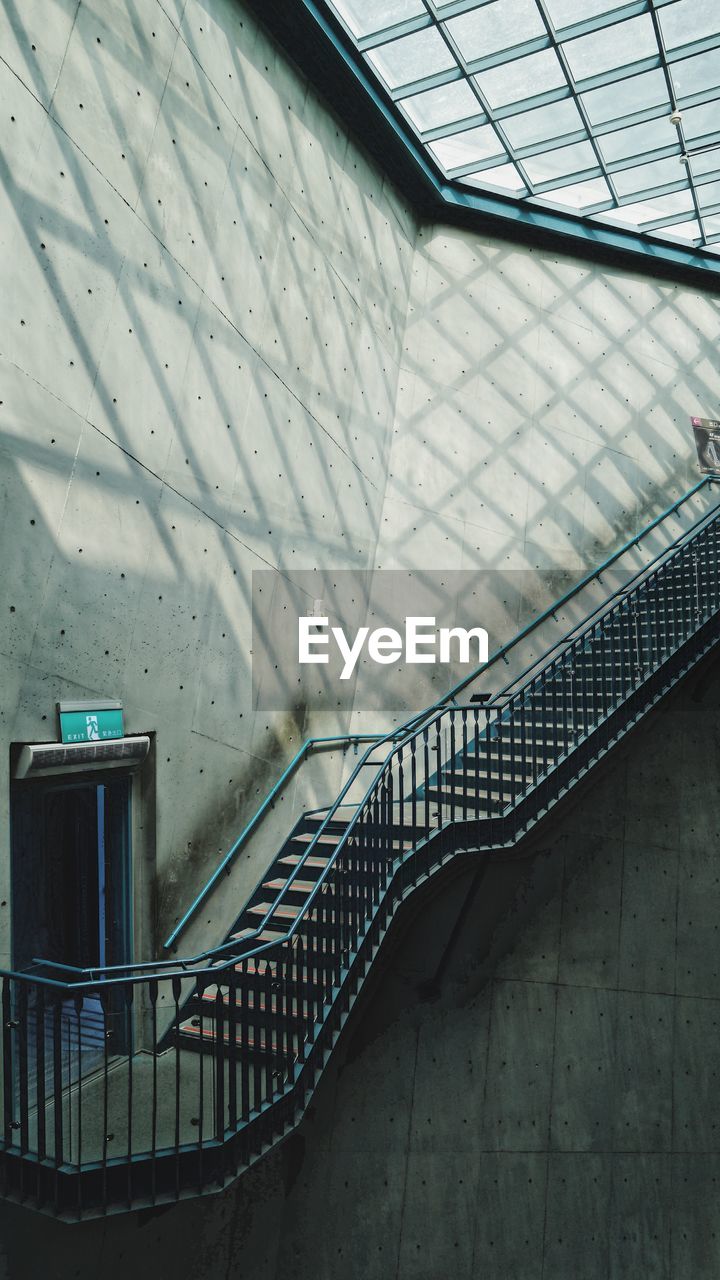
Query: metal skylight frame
x=631 y=179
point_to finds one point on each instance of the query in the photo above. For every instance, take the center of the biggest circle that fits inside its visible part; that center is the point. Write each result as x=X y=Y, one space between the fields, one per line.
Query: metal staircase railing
x=130 y=1088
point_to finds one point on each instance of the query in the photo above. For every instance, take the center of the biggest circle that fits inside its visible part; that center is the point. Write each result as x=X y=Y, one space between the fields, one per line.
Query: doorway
x=72 y=897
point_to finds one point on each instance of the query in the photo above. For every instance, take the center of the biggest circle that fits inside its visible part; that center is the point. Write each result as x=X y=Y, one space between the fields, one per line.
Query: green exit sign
x=90 y=721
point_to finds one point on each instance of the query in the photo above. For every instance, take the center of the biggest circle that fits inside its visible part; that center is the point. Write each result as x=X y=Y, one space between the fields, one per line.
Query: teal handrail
x=311 y=744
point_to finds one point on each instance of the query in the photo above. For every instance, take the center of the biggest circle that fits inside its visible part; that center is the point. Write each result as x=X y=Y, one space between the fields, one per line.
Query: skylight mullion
x=485 y=106
x=421 y=86
x=535 y=45
x=644 y=157
x=652 y=192
x=499 y=58
x=591 y=189
x=396 y=32
x=490 y=114
x=560 y=51
x=587 y=211
x=647 y=116
x=478 y=166
x=547 y=145
x=702 y=99
x=530 y=186
x=689 y=50
x=680 y=131
x=614 y=76
x=568 y=179
x=531 y=104
x=586 y=26
x=643 y=116
x=449 y=130
x=456 y=9
x=669 y=220
x=668 y=188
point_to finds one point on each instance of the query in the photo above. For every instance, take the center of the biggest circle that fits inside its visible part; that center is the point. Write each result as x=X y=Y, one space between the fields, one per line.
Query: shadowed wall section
x=205 y=285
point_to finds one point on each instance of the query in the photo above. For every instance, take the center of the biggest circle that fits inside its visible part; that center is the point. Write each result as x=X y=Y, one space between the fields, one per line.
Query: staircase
x=227 y=1054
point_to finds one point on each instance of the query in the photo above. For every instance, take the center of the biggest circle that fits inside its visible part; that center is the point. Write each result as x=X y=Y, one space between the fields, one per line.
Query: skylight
x=607 y=109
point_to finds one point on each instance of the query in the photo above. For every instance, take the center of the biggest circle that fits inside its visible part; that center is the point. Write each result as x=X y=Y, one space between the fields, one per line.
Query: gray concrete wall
x=204 y=289
x=530 y=1091
x=542 y=416
x=551 y=398
x=225 y=346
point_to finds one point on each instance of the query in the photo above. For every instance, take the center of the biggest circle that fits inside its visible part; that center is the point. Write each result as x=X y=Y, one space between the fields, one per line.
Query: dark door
x=71 y=895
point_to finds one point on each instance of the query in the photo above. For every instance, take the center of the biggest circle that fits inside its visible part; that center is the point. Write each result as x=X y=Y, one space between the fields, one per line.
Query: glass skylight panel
x=444 y=106
x=563 y=13
x=712 y=226
x=470 y=147
x=503 y=178
x=626 y=97
x=653 y=208
x=507 y=97
x=707 y=165
x=686 y=231
x=688 y=20
x=565 y=162
x=522 y=78
x=660 y=173
x=365 y=17
x=702 y=122
x=611 y=47
x=411 y=58
x=545 y=124
x=696 y=75
x=494 y=27
x=709 y=195
x=639 y=140
x=579 y=196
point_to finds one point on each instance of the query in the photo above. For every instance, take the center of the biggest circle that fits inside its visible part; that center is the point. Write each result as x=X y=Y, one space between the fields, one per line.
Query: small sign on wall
x=707 y=442
x=95 y=721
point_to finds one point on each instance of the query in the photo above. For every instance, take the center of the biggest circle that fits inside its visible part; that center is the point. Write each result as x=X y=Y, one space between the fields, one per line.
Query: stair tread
x=264 y=1044
x=298 y=886
x=293 y=859
x=285 y=910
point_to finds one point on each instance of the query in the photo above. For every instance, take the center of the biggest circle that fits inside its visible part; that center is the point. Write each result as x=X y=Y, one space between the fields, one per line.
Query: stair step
x=258 y=1045
x=326 y=838
x=251 y=1000
x=490 y=805
x=285 y=911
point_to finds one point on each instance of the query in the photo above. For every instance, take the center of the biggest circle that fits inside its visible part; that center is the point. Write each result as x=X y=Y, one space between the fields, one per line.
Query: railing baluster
x=219 y=1065
x=426 y=781
x=7 y=1034
x=245 y=1061
x=176 y=990
x=58 y=1082
x=22 y=1044
x=153 y=989
x=232 y=1048
x=128 y=995
x=40 y=1070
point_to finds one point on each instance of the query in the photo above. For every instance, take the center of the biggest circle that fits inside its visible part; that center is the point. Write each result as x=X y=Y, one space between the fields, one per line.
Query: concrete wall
x=225 y=345
x=542 y=416
x=204 y=291
x=544 y=404
x=530 y=1092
